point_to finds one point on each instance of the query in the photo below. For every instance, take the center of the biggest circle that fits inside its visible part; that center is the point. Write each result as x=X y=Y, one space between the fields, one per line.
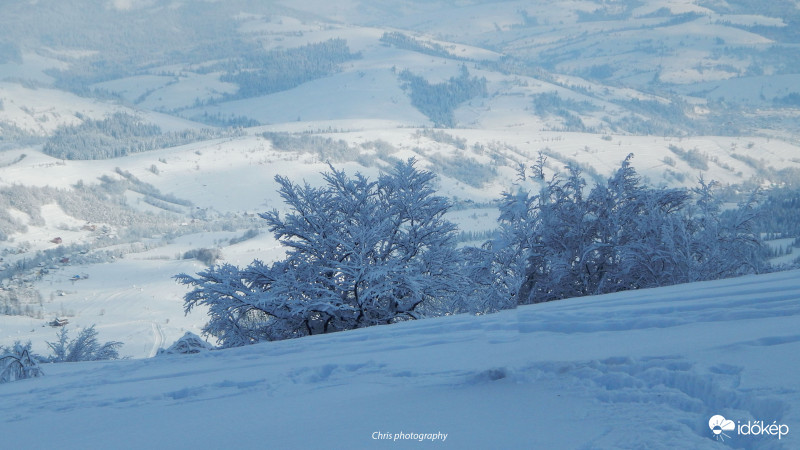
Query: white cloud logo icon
x=719 y=425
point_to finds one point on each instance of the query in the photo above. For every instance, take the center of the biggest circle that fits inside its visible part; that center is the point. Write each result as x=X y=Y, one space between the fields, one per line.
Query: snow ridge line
x=763 y=298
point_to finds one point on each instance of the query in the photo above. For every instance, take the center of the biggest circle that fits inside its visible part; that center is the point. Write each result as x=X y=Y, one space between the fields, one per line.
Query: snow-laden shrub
x=85 y=347
x=188 y=343
x=207 y=256
x=18 y=362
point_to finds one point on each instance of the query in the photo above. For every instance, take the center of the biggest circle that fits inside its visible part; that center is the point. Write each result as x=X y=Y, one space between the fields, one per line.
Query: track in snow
x=158 y=339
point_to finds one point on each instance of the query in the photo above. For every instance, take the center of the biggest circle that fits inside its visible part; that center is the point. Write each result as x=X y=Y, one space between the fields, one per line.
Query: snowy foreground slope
x=637 y=369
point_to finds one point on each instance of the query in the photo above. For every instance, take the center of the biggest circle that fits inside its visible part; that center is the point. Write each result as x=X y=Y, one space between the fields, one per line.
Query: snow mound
x=189 y=343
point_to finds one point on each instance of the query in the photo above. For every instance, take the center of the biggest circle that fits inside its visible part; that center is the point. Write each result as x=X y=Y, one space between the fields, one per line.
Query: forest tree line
x=438 y=101
x=118 y=135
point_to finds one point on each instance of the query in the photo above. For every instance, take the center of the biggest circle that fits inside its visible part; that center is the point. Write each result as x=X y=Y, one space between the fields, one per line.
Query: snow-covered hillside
x=137 y=134
x=643 y=369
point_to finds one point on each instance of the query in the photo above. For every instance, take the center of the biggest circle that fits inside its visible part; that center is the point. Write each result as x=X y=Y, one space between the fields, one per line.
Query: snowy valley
x=141 y=139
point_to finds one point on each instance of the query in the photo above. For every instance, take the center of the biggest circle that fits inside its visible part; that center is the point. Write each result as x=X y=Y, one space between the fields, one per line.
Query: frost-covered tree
x=539 y=165
x=623 y=235
x=558 y=266
x=85 y=347
x=723 y=245
x=361 y=253
x=18 y=362
x=498 y=268
x=638 y=234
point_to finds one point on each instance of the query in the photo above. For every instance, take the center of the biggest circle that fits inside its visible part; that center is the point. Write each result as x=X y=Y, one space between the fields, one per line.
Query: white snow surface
x=638 y=369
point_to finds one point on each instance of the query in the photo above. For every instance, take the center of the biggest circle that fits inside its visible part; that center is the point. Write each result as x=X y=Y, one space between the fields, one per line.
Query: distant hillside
x=636 y=66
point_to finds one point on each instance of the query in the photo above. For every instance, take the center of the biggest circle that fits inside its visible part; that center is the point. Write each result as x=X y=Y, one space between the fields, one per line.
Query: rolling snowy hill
x=631 y=370
x=135 y=133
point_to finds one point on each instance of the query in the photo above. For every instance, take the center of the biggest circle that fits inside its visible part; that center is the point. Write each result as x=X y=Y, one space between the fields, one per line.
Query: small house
x=58 y=322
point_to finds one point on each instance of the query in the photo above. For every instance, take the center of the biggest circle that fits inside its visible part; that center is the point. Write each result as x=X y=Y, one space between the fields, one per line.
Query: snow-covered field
x=640 y=369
